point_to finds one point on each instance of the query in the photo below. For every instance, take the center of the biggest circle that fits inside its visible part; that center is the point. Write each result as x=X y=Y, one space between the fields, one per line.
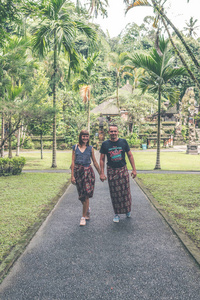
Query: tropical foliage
x=159 y=71
x=56 y=65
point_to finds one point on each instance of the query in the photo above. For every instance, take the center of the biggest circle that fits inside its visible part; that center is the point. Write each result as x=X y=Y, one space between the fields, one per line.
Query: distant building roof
x=171 y=110
x=107 y=107
x=127 y=87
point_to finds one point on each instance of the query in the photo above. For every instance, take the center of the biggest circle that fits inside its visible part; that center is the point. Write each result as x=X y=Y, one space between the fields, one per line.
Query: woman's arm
x=95 y=162
x=73 y=181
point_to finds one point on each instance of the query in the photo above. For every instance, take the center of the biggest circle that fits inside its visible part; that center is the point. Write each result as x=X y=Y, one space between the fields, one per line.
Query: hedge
x=11 y=166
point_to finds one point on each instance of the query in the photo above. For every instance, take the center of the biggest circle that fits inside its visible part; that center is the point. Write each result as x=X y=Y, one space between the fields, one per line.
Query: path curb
x=185 y=240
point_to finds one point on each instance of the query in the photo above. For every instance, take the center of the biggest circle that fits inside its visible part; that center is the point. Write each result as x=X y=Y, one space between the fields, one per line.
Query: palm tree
x=117 y=61
x=191 y=27
x=159 y=71
x=13 y=95
x=55 y=31
x=158 y=8
x=86 y=79
x=95 y=6
x=13 y=63
x=98 y=6
x=2 y=93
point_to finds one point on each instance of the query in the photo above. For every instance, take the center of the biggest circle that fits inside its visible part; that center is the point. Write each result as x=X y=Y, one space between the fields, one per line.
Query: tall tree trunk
x=41 y=145
x=118 y=91
x=10 y=140
x=158 y=133
x=2 y=134
x=18 y=142
x=54 y=165
x=23 y=132
x=189 y=51
x=89 y=114
x=180 y=56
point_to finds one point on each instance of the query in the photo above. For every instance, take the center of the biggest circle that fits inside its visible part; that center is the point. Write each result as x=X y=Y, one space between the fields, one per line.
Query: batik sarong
x=85 y=180
x=119 y=185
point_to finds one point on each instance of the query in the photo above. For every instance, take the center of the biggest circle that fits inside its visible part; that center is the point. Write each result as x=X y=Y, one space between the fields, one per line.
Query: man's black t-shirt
x=115 y=152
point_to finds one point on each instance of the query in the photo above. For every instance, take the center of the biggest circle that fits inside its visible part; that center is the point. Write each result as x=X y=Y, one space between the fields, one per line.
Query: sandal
x=82 y=221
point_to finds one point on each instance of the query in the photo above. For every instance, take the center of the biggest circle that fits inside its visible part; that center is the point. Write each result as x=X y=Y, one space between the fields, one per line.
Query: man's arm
x=102 y=166
x=132 y=162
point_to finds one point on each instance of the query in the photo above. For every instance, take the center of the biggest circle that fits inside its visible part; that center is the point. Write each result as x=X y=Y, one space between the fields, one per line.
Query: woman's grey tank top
x=84 y=158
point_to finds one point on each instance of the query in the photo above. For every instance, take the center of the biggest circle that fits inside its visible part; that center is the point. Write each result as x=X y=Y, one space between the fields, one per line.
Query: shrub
x=47 y=145
x=37 y=145
x=63 y=146
x=133 y=140
x=11 y=166
x=28 y=144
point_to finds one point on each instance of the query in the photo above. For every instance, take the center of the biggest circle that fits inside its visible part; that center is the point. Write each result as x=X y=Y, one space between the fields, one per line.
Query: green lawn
x=144 y=160
x=33 y=160
x=168 y=161
x=179 y=195
x=25 y=200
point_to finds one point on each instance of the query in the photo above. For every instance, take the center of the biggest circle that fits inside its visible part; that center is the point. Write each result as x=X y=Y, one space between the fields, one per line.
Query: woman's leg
x=85 y=206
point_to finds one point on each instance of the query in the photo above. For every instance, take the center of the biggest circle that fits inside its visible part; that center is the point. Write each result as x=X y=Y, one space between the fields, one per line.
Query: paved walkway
x=138 y=258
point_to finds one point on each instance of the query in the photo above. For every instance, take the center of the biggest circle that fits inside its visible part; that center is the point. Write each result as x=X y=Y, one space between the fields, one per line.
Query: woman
x=82 y=173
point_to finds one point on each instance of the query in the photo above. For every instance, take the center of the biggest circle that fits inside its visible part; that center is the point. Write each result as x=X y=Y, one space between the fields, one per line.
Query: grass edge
x=186 y=241
x=19 y=248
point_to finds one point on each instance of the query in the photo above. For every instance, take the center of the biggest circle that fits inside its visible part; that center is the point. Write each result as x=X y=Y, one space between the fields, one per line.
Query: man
x=118 y=176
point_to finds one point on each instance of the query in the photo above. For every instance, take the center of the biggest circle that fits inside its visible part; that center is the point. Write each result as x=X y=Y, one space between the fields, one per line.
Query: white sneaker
x=82 y=221
x=116 y=219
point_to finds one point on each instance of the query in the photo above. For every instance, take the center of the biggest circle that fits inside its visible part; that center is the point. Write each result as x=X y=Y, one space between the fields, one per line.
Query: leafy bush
x=37 y=145
x=47 y=145
x=11 y=166
x=133 y=140
x=184 y=132
x=28 y=144
x=63 y=146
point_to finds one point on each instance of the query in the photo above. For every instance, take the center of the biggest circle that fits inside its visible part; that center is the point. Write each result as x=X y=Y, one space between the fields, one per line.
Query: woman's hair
x=83 y=132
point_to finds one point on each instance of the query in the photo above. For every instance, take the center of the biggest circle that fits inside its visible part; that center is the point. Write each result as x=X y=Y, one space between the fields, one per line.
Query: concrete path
x=138 y=258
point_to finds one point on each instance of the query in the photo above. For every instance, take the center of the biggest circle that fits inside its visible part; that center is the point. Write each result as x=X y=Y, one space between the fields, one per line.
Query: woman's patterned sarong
x=118 y=180
x=85 y=180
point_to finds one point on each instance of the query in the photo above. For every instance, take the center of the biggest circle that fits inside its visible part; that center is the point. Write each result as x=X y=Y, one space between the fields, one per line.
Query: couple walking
x=83 y=175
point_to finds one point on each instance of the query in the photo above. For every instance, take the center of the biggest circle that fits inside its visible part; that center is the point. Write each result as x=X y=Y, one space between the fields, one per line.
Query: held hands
x=103 y=177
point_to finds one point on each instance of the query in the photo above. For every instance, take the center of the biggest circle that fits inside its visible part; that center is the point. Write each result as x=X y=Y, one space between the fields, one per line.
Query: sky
x=178 y=11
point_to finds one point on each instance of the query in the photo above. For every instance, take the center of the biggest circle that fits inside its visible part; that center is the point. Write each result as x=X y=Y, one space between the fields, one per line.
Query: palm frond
x=170 y=73
x=171 y=93
x=85 y=93
x=146 y=62
x=137 y=3
x=42 y=37
x=73 y=60
x=127 y=74
x=87 y=30
x=77 y=83
x=98 y=6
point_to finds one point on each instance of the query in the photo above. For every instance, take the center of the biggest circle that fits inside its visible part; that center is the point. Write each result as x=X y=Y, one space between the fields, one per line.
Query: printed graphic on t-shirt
x=115 y=153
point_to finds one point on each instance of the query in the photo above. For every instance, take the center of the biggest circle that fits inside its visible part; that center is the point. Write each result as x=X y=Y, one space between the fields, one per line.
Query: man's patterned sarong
x=118 y=180
x=85 y=180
